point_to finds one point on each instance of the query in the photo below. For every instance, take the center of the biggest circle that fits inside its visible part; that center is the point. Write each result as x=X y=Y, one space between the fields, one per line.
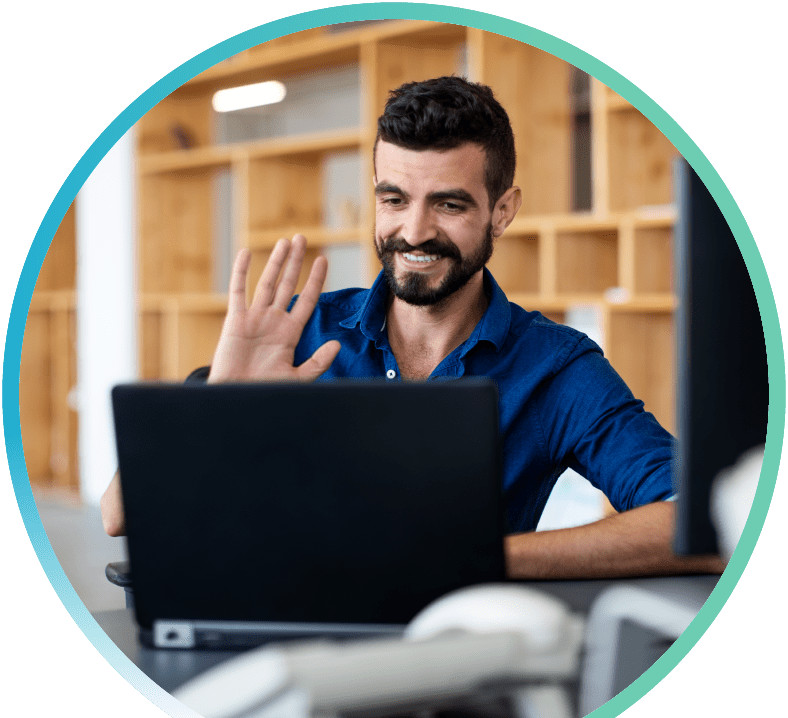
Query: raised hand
x=258 y=342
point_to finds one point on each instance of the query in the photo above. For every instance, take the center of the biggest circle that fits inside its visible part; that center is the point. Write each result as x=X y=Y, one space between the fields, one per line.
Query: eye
x=453 y=207
x=393 y=201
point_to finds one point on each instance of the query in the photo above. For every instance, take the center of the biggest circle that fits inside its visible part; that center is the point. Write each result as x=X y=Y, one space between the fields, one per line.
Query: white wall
x=106 y=331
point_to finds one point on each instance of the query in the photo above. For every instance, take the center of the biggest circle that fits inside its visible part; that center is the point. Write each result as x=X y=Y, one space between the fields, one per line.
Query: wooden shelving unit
x=48 y=371
x=614 y=255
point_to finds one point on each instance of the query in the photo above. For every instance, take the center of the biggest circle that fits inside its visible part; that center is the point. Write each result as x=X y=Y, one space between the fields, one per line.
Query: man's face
x=433 y=229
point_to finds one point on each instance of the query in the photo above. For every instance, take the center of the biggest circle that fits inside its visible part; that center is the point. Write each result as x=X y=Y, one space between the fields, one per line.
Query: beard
x=413 y=287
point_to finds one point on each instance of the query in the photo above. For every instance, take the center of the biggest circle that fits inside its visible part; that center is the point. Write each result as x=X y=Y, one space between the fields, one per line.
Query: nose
x=417 y=226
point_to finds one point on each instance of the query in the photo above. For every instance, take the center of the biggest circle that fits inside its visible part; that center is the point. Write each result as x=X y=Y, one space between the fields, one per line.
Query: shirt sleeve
x=595 y=426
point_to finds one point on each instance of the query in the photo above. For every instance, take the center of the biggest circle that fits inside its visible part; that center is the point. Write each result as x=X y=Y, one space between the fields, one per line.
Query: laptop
x=263 y=511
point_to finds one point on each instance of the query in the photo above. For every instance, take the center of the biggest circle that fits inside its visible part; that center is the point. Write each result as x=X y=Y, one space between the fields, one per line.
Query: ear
x=505 y=210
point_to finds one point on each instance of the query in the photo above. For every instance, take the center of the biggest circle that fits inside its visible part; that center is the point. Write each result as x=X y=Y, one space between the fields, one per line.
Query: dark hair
x=447 y=112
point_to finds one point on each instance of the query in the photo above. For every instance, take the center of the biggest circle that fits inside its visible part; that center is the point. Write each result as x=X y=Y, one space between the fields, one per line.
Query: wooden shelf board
x=198 y=158
x=662 y=215
x=298 y=56
x=616 y=103
x=562 y=302
x=303 y=144
x=53 y=300
x=316 y=236
x=657 y=303
x=222 y=156
x=209 y=302
x=657 y=216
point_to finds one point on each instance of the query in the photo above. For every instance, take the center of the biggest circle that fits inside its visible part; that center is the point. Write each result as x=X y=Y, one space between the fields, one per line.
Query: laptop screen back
x=342 y=502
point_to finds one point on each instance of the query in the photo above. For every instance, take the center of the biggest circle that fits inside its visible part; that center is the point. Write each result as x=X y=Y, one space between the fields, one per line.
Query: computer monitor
x=722 y=384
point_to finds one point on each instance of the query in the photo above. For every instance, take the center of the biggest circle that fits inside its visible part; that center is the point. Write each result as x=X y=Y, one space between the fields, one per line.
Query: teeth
x=420 y=257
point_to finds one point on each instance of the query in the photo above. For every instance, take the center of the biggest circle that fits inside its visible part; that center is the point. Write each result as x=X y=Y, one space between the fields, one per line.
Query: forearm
x=632 y=543
x=112 y=515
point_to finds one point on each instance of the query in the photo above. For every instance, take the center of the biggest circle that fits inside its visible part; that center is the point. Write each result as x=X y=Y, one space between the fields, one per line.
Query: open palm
x=258 y=342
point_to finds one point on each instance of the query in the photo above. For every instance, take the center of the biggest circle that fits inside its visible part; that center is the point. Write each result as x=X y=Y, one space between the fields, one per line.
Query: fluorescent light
x=242 y=98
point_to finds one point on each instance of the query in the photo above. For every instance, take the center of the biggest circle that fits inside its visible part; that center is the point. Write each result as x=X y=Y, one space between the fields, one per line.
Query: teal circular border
x=392 y=11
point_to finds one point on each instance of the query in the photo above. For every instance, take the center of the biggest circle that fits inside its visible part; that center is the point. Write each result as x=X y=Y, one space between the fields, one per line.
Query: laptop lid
x=321 y=505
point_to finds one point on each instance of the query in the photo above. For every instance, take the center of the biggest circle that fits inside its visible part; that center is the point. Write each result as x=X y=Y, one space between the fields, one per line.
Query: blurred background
x=134 y=284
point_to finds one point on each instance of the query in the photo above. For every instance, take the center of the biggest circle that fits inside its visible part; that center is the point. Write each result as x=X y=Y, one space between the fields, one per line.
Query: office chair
x=119 y=573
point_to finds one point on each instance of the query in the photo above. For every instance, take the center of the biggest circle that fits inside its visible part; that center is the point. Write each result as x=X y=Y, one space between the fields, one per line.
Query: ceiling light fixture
x=246 y=96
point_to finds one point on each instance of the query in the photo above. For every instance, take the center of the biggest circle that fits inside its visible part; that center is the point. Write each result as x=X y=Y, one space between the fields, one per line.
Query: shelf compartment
x=178 y=333
x=615 y=102
x=58 y=271
x=416 y=52
x=639 y=344
x=515 y=263
x=640 y=162
x=47 y=376
x=534 y=87
x=288 y=192
x=586 y=261
x=260 y=258
x=283 y=192
x=178 y=122
x=552 y=308
x=47 y=373
x=653 y=260
x=176 y=230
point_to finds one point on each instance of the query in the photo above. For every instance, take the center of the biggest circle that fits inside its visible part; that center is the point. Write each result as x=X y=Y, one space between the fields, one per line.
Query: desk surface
x=172 y=668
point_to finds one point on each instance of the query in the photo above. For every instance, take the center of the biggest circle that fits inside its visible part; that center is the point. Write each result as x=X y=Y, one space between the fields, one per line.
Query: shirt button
x=390 y=374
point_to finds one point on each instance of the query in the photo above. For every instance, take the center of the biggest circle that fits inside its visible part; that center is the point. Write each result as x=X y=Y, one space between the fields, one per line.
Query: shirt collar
x=371 y=315
x=493 y=326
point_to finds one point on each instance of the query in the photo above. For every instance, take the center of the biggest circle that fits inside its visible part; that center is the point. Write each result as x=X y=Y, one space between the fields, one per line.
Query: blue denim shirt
x=561 y=403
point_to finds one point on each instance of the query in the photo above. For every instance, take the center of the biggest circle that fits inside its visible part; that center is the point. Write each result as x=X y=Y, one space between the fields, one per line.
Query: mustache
x=432 y=246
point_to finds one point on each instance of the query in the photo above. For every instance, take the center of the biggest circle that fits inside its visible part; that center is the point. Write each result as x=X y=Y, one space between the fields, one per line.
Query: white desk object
x=482 y=643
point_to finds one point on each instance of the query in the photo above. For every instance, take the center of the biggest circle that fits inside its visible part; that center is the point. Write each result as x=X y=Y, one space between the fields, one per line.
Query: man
x=444 y=170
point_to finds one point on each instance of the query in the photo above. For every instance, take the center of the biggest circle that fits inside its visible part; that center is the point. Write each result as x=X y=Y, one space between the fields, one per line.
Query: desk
x=639 y=647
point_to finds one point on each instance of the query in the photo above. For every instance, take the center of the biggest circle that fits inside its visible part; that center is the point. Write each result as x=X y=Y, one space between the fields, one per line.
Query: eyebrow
x=386 y=187
x=456 y=194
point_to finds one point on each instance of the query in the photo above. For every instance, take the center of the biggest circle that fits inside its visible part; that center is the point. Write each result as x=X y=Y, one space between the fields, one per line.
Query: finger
x=307 y=300
x=266 y=285
x=236 y=301
x=287 y=286
x=319 y=362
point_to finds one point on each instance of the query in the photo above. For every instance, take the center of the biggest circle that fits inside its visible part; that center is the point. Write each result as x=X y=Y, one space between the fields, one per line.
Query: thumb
x=319 y=362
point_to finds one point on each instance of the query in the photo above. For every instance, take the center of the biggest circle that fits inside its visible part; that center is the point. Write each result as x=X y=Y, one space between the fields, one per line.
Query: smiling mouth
x=420 y=258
